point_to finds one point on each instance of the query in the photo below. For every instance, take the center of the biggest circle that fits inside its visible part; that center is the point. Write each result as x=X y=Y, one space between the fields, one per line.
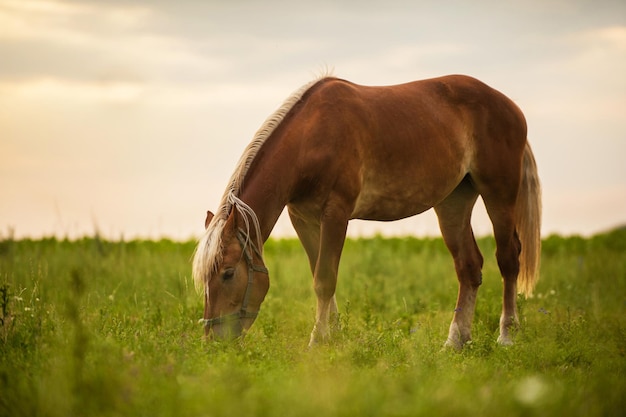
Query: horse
x=336 y=151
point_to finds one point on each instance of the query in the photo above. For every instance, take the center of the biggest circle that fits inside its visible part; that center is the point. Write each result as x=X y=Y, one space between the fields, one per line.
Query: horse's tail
x=528 y=224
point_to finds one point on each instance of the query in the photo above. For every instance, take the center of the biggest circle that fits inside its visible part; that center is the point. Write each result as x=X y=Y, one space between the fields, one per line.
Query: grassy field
x=98 y=328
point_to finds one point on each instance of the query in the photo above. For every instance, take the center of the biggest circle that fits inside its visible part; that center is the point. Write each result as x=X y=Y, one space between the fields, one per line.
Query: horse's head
x=237 y=283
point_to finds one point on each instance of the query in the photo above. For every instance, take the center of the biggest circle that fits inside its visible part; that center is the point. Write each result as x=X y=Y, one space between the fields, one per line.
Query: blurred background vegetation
x=95 y=327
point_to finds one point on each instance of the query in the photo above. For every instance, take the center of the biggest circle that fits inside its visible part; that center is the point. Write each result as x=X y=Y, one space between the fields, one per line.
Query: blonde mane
x=208 y=254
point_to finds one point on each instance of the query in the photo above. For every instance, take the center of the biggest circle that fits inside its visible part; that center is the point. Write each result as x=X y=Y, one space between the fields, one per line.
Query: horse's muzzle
x=227 y=327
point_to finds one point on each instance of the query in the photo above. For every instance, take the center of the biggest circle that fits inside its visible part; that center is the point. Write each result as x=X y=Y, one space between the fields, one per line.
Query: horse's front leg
x=326 y=319
x=332 y=236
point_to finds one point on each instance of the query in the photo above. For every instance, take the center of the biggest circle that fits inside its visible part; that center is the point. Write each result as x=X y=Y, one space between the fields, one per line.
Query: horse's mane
x=208 y=254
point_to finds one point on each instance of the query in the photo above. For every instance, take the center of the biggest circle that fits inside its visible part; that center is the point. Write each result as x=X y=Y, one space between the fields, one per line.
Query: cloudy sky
x=127 y=117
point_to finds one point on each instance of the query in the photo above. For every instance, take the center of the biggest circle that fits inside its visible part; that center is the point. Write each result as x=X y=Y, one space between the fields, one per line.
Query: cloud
x=66 y=22
x=49 y=89
x=88 y=41
x=151 y=102
x=581 y=79
x=599 y=52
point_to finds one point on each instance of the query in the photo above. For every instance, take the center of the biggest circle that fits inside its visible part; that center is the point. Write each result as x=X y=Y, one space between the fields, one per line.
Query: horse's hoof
x=505 y=341
x=454 y=345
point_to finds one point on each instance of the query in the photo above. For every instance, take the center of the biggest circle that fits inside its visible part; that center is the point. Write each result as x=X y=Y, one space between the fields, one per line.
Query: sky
x=126 y=118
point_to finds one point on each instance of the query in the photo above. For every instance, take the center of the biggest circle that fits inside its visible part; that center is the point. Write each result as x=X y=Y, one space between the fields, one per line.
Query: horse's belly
x=398 y=197
x=384 y=206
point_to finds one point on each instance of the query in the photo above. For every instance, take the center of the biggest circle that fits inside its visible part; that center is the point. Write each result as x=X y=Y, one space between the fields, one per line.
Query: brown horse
x=337 y=151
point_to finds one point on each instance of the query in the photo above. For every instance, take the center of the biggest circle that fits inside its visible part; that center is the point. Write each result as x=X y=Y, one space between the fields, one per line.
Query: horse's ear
x=230 y=222
x=209 y=217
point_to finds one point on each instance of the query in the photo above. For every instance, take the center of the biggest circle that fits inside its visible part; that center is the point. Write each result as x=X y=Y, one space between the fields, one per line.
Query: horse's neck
x=266 y=203
x=267 y=185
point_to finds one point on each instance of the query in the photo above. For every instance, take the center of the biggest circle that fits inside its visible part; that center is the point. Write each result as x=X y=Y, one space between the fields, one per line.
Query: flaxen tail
x=528 y=224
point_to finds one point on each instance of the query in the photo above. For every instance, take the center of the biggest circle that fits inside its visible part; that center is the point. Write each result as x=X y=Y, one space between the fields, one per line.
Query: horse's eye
x=228 y=274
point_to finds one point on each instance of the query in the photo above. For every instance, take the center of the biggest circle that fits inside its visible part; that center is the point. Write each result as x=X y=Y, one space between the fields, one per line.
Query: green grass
x=97 y=328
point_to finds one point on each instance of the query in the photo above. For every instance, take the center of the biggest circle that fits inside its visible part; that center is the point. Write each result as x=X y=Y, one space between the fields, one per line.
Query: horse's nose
x=225 y=331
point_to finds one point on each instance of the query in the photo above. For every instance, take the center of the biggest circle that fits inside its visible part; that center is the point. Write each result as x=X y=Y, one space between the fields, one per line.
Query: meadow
x=101 y=328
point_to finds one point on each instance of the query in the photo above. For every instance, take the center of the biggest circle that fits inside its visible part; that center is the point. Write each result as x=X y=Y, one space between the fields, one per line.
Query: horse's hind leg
x=508 y=249
x=454 y=214
x=499 y=201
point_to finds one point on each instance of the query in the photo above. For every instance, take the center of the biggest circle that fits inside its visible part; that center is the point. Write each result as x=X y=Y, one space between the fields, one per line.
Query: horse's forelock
x=209 y=252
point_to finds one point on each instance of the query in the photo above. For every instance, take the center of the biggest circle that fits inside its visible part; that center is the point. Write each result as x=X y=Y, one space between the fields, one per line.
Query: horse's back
x=419 y=113
x=402 y=149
